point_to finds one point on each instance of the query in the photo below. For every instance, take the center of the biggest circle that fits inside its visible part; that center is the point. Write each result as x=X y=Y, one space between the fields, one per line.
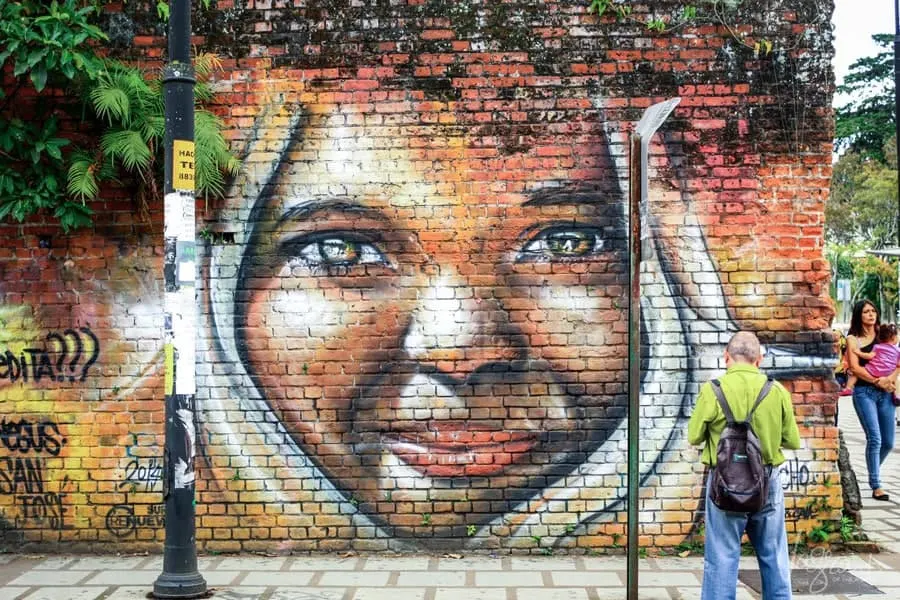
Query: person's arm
x=704 y=412
x=790 y=433
x=864 y=355
x=855 y=369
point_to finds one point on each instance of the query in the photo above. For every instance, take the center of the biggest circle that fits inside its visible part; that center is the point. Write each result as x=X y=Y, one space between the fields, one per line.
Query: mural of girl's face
x=437 y=315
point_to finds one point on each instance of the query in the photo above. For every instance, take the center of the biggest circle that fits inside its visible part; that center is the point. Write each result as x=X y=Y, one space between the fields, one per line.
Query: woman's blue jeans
x=875 y=410
x=767 y=533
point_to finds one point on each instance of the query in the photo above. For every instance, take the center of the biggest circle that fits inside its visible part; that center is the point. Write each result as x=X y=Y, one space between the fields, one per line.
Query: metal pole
x=897 y=105
x=634 y=360
x=179 y=578
x=650 y=121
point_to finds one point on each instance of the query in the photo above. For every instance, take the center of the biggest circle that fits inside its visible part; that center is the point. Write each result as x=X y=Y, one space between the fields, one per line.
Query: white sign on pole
x=843 y=290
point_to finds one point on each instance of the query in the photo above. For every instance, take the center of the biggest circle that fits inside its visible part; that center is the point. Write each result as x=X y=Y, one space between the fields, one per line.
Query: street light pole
x=651 y=120
x=897 y=105
x=179 y=578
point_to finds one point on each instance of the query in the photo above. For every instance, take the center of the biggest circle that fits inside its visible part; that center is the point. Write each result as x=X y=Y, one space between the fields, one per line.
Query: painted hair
x=856 y=325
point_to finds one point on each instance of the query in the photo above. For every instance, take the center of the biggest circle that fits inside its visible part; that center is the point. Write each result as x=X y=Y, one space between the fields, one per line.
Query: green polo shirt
x=773 y=422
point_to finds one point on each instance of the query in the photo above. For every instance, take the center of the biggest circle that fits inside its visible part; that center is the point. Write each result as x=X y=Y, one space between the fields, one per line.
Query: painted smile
x=460 y=453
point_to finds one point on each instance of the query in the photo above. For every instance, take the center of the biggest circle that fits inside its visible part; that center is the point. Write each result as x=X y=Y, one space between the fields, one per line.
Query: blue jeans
x=876 y=415
x=723 y=546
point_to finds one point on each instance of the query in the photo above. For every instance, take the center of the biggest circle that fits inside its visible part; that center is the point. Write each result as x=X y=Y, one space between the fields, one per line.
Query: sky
x=854 y=23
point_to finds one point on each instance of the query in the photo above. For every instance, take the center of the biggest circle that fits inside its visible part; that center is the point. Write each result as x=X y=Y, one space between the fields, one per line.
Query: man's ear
x=728 y=359
x=758 y=361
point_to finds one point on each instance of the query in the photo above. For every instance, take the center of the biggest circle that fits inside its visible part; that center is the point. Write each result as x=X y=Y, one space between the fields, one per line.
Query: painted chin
x=459 y=453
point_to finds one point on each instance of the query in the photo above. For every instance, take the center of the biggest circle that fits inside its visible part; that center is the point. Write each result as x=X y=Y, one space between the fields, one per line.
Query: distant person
x=842 y=368
x=774 y=424
x=872 y=395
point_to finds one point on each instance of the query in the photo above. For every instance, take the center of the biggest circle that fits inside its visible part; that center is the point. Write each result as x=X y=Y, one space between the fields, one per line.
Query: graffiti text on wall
x=44 y=508
x=122 y=520
x=795 y=476
x=148 y=474
x=24 y=477
x=23 y=436
x=66 y=356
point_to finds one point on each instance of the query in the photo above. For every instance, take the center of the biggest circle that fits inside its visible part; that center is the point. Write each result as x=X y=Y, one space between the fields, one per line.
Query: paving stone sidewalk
x=470 y=577
x=881 y=520
x=404 y=577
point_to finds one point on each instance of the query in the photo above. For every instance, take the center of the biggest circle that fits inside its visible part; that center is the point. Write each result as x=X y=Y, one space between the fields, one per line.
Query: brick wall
x=418 y=335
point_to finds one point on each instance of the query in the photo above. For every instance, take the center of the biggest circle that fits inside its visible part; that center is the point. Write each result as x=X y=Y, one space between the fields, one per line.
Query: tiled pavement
x=881 y=520
x=451 y=577
x=402 y=578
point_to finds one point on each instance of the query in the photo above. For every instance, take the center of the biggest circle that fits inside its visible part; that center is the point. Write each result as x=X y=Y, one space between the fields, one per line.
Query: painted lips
x=460 y=453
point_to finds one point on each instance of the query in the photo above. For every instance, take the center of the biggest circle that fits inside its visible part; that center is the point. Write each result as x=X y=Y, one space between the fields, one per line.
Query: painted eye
x=333 y=255
x=562 y=243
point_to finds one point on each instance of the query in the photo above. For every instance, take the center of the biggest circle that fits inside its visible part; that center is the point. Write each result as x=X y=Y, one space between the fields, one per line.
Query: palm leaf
x=81 y=182
x=153 y=127
x=213 y=157
x=110 y=101
x=128 y=147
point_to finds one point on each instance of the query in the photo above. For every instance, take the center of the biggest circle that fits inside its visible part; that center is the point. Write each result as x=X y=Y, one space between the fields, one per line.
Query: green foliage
x=49 y=41
x=694 y=543
x=819 y=533
x=847 y=529
x=713 y=11
x=52 y=45
x=862 y=206
x=47 y=44
x=861 y=215
x=162 y=9
x=32 y=171
x=470 y=530
x=132 y=107
x=866 y=123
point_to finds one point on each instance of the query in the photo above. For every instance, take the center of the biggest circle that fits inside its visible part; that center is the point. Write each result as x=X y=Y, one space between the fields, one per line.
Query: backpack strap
x=767 y=386
x=720 y=396
x=729 y=416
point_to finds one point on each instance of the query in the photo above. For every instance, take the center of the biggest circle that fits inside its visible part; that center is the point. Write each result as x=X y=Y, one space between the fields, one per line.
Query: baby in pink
x=885 y=355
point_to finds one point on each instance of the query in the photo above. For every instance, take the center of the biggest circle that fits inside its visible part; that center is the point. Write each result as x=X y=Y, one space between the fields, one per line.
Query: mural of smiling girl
x=419 y=335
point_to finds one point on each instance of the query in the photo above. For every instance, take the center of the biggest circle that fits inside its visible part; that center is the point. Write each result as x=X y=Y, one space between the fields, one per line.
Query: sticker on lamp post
x=183 y=165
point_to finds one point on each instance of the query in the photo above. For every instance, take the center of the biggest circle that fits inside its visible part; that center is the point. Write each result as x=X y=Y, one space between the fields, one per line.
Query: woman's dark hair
x=886 y=333
x=856 y=326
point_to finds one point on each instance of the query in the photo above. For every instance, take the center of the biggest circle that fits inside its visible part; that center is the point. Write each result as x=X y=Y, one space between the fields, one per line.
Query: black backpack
x=739 y=481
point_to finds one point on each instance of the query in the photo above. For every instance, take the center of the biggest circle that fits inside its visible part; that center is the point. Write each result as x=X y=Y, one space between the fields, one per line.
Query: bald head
x=743 y=347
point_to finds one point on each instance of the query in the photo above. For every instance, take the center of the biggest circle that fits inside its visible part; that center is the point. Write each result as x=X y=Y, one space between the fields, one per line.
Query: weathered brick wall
x=417 y=336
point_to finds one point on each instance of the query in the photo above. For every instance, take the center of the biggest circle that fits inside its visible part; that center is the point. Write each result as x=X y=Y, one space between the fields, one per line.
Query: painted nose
x=459 y=332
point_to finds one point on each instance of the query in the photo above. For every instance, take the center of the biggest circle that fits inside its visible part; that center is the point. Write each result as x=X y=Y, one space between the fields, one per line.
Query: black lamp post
x=179 y=578
x=897 y=104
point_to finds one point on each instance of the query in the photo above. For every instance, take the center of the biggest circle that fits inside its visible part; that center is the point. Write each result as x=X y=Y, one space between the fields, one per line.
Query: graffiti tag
x=59 y=361
x=122 y=521
x=794 y=475
x=44 y=508
x=21 y=475
x=148 y=474
x=24 y=436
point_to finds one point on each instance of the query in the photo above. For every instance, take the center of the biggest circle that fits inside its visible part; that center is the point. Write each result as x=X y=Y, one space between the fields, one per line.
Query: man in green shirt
x=775 y=426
